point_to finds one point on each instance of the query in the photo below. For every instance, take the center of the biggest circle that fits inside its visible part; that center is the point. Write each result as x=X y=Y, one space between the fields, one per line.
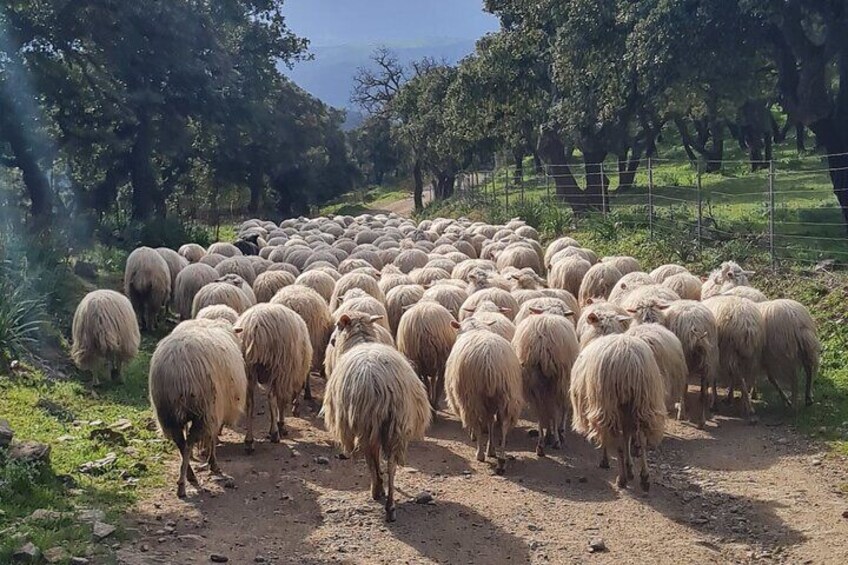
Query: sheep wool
x=104 y=331
x=147 y=283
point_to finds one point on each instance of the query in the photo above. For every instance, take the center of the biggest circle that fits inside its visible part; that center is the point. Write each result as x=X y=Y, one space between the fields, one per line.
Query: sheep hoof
x=481 y=457
x=540 y=451
x=501 y=468
x=753 y=419
x=390 y=515
x=248 y=445
x=378 y=494
x=274 y=437
x=604 y=464
x=283 y=431
x=181 y=490
x=645 y=483
x=621 y=481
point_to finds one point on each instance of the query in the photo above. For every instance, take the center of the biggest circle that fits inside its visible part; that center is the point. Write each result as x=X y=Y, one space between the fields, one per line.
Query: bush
x=21 y=316
x=157 y=232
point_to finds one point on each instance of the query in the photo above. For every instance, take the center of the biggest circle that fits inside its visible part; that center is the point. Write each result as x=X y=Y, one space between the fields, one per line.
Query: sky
x=389 y=22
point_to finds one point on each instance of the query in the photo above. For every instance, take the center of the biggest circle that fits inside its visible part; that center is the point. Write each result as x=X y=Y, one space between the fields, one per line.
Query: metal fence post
x=700 y=207
x=547 y=182
x=603 y=192
x=771 y=213
x=506 y=191
x=651 y=197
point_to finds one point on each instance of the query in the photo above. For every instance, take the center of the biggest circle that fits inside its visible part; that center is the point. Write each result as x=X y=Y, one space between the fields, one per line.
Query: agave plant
x=20 y=319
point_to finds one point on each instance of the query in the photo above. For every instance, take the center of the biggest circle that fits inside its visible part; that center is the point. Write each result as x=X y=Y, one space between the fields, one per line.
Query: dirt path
x=404 y=207
x=731 y=493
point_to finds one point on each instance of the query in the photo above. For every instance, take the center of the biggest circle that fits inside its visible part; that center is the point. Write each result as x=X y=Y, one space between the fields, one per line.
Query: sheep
x=543 y=303
x=365 y=328
x=617 y=400
x=197 y=384
x=188 y=283
x=218 y=312
x=685 y=285
x=398 y=300
x=671 y=360
x=375 y=404
x=319 y=281
x=578 y=252
x=598 y=282
x=695 y=327
x=483 y=385
x=558 y=245
x=277 y=354
x=527 y=279
x=147 y=283
x=211 y=259
x=480 y=280
x=224 y=248
x=790 y=344
x=355 y=280
x=356 y=300
x=192 y=252
x=241 y=284
x=520 y=255
x=546 y=346
x=623 y=263
x=425 y=336
x=664 y=271
x=740 y=332
x=390 y=280
x=449 y=296
x=319 y=322
x=627 y=283
x=727 y=276
x=651 y=292
x=269 y=283
x=104 y=331
x=220 y=293
x=240 y=266
x=428 y=275
x=411 y=259
x=502 y=298
x=462 y=270
x=601 y=318
x=748 y=292
x=175 y=261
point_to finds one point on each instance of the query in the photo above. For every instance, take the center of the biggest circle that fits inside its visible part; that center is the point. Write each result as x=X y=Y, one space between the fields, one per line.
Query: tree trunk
x=596 y=180
x=800 y=138
x=537 y=163
x=141 y=171
x=551 y=149
x=627 y=166
x=418 y=188
x=254 y=182
x=444 y=183
x=518 y=173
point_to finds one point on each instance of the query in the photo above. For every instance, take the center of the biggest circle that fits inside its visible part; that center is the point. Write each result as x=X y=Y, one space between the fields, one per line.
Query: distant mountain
x=329 y=76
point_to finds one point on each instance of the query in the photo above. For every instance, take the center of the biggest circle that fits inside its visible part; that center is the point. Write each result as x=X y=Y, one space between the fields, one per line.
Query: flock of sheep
x=395 y=315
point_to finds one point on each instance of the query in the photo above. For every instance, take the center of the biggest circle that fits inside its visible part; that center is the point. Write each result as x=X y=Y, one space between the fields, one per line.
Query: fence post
x=771 y=213
x=506 y=191
x=547 y=183
x=650 y=198
x=521 y=182
x=700 y=207
x=603 y=192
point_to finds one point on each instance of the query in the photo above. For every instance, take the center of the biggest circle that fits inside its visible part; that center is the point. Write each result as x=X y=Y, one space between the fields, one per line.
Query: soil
x=732 y=493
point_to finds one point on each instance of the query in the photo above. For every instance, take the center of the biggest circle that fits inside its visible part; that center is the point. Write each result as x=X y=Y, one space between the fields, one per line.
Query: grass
x=372 y=198
x=46 y=410
x=824 y=294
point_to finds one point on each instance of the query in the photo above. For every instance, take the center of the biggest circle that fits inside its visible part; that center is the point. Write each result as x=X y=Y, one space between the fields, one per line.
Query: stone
x=845 y=513
x=27 y=553
x=107 y=435
x=259 y=559
x=121 y=425
x=103 y=530
x=534 y=528
x=79 y=561
x=56 y=410
x=100 y=465
x=64 y=438
x=6 y=433
x=218 y=558
x=321 y=460
x=43 y=515
x=815 y=462
x=56 y=555
x=29 y=452
x=91 y=515
x=597 y=545
x=424 y=497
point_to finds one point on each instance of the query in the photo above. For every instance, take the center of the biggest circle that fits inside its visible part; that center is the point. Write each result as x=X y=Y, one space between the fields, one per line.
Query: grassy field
x=371 y=198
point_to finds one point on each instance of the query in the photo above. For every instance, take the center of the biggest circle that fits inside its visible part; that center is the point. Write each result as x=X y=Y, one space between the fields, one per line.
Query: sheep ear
x=373 y=319
x=704 y=279
x=568 y=313
x=427 y=285
x=749 y=273
x=490 y=323
x=377 y=275
x=537 y=310
x=238 y=329
x=472 y=277
x=590 y=301
x=623 y=286
x=344 y=321
x=455 y=325
x=592 y=318
x=621 y=318
x=505 y=310
x=663 y=305
x=469 y=310
x=632 y=310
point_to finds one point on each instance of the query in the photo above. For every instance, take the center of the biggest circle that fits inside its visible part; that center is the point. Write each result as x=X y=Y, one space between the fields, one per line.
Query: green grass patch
x=60 y=413
x=368 y=199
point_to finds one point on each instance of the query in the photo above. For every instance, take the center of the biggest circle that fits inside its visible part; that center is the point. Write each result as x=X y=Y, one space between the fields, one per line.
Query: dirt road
x=731 y=493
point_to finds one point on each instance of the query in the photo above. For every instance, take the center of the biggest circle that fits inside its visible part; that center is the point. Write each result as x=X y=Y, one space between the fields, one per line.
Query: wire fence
x=785 y=208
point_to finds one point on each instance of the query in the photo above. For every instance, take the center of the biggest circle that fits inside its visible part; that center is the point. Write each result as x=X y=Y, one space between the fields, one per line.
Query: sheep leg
x=789 y=403
x=281 y=408
x=372 y=457
x=540 y=441
x=809 y=370
x=490 y=450
x=621 y=481
x=729 y=398
x=307 y=390
x=629 y=448
x=703 y=399
x=604 y=464
x=553 y=429
x=501 y=468
x=794 y=389
x=391 y=467
x=681 y=407
x=179 y=438
x=274 y=408
x=248 y=414
x=644 y=477
x=477 y=435
x=746 y=402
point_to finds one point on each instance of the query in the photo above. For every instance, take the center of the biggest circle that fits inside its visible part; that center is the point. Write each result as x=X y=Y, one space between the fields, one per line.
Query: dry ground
x=733 y=493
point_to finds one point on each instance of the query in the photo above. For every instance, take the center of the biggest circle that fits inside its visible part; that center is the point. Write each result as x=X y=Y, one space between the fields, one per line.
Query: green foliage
x=20 y=322
x=163 y=232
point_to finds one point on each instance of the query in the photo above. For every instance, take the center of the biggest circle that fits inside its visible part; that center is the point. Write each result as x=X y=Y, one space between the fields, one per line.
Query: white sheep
x=147 y=283
x=600 y=318
x=104 y=331
x=218 y=312
x=617 y=399
x=598 y=282
x=189 y=281
x=483 y=384
x=686 y=285
x=269 y=283
x=220 y=293
x=727 y=276
x=398 y=300
x=671 y=361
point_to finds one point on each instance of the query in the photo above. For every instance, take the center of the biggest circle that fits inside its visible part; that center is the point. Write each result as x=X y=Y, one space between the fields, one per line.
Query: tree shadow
x=448 y=532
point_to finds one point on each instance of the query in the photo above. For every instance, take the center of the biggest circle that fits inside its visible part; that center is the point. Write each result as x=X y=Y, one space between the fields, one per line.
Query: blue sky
x=391 y=22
